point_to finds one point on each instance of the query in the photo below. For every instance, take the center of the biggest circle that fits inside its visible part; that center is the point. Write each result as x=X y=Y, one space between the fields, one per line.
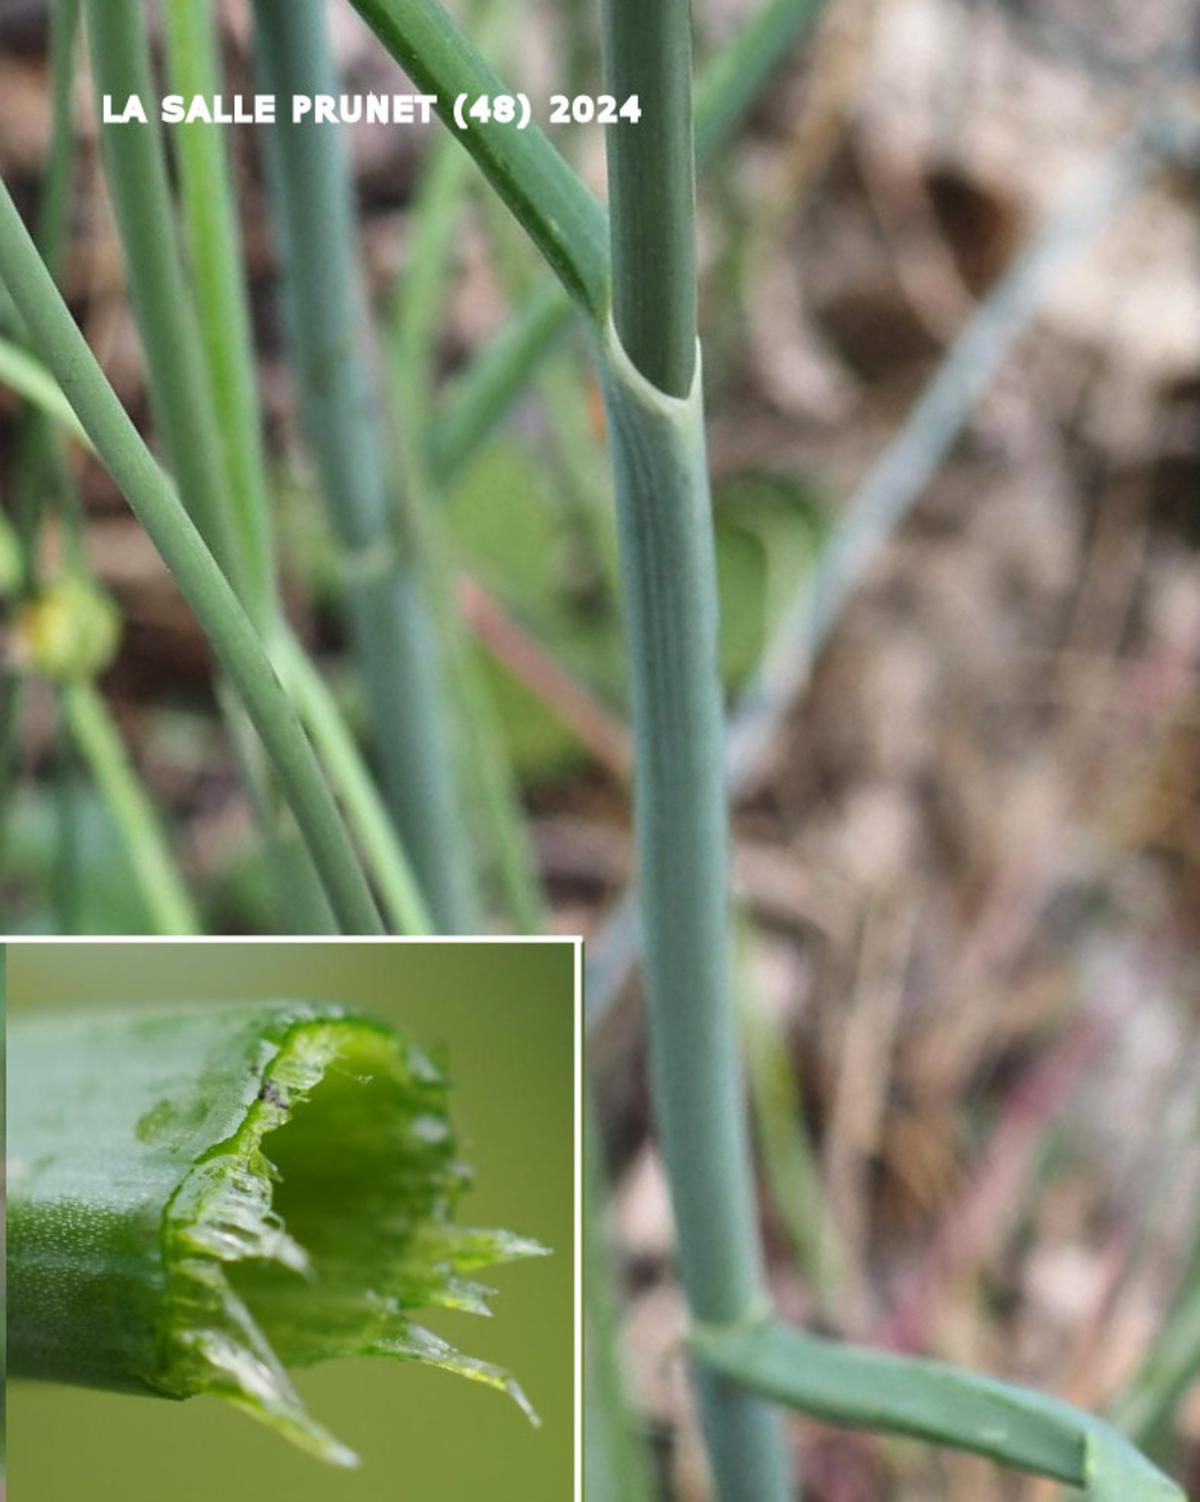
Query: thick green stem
x=669 y=586
x=652 y=189
x=390 y=613
x=136 y=171
x=664 y=511
x=158 y=508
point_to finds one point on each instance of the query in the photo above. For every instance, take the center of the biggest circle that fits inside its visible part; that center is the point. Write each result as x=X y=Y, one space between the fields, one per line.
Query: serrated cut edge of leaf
x=222 y=1214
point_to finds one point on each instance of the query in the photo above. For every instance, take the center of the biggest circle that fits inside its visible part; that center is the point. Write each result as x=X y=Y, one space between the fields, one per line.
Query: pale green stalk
x=664 y=511
x=670 y=591
x=669 y=577
x=94 y=733
x=344 y=416
x=136 y=171
x=51 y=229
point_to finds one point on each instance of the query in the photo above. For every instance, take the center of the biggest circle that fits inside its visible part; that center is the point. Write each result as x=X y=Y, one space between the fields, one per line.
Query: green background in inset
x=504 y=1015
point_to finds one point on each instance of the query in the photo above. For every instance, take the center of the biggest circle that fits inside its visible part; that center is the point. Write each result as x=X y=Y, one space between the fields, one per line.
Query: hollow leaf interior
x=321 y=1225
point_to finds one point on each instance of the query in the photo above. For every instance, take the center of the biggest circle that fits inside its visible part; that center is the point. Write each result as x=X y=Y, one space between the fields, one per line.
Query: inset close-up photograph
x=259 y=1197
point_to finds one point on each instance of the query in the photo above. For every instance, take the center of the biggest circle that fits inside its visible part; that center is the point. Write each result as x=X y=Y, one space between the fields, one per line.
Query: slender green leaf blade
x=866 y=1389
x=562 y=216
x=30 y=379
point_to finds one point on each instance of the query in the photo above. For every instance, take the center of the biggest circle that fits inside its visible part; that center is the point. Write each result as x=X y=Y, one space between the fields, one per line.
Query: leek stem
x=664 y=511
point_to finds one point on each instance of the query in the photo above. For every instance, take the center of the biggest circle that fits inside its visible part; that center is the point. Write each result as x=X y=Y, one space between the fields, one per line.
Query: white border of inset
x=441 y=940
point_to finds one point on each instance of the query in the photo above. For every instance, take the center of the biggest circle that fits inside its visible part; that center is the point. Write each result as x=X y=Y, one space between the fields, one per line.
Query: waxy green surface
x=200 y=1200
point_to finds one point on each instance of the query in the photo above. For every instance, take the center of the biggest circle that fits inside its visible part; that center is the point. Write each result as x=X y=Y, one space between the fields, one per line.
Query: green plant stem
x=651 y=188
x=136 y=171
x=669 y=588
x=893 y=485
x=560 y=213
x=668 y=568
x=390 y=611
x=158 y=880
x=52 y=227
x=867 y=1389
x=366 y=813
x=219 y=286
x=197 y=573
